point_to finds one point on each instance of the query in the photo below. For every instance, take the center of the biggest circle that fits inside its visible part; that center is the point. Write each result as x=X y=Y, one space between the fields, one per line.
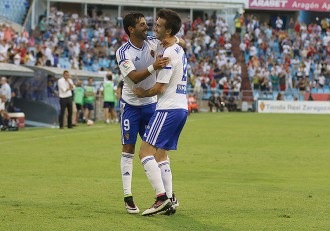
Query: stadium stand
x=257 y=61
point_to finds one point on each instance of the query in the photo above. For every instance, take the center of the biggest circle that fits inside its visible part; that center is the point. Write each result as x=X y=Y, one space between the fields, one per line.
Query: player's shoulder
x=172 y=50
x=124 y=48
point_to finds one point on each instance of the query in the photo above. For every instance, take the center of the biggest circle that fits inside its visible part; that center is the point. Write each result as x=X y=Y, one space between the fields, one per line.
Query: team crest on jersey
x=137 y=59
x=126 y=65
x=127 y=136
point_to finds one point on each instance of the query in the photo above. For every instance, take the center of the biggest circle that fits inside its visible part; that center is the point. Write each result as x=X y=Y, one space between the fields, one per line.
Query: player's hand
x=139 y=92
x=161 y=62
x=168 y=42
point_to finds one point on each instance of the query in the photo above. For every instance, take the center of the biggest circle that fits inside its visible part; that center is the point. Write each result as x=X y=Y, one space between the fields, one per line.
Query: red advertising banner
x=294 y=5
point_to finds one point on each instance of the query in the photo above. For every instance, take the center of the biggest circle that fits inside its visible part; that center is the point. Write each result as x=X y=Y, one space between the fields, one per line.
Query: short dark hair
x=109 y=76
x=172 y=18
x=66 y=71
x=131 y=19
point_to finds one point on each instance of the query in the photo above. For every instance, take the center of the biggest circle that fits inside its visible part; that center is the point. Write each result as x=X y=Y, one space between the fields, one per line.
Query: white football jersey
x=131 y=58
x=174 y=75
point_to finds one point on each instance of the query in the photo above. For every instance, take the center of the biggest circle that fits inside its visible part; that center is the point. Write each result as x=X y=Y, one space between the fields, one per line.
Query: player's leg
x=91 y=111
x=112 y=112
x=126 y=167
x=129 y=129
x=106 y=112
x=166 y=138
x=162 y=203
x=86 y=112
x=165 y=169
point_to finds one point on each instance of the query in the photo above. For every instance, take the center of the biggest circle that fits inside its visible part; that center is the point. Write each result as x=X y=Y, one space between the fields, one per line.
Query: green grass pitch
x=232 y=171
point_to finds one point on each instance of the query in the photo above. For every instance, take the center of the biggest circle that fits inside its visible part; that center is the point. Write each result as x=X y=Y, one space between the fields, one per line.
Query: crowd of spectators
x=287 y=57
x=292 y=58
x=90 y=43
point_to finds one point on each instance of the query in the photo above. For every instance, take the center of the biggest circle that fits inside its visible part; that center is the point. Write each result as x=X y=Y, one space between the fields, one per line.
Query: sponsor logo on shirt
x=181 y=89
x=137 y=59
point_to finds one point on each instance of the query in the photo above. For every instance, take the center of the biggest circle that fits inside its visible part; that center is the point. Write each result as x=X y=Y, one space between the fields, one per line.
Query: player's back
x=175 y=77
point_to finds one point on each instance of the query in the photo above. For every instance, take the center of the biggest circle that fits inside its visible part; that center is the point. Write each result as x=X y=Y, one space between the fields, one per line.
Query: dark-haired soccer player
x=137 y=63
x=167 y=122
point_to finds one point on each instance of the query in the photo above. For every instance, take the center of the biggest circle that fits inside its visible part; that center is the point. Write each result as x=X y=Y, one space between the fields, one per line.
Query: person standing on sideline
x=79 y=94
x=5 y=92
x=137 y=63
x=171 y=113
x=89 y=100
x=109 y=97
x=65 y=88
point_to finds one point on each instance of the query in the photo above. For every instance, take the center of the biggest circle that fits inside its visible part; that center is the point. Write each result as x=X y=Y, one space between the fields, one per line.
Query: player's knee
x=146 y=150
x=129 y=148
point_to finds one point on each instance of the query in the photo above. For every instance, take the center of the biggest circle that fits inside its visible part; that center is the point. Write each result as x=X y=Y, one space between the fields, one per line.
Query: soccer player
x=167 y=122
x=90 y=93
x=137 y=63
x=109 y=96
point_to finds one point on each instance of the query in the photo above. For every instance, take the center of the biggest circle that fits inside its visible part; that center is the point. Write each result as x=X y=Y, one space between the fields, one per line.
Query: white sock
x=166 y=176
x=126 y=166
x=153 y=173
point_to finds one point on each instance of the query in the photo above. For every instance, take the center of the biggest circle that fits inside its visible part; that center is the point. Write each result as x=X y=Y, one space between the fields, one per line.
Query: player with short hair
x=167 y=122
x=109 y=96
x=89 y=100
x=137 y=63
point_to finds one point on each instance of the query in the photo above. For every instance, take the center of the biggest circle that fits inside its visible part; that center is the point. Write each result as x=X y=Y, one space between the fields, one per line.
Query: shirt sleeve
x=164 y=75
x=71 y=82
x=125 y=64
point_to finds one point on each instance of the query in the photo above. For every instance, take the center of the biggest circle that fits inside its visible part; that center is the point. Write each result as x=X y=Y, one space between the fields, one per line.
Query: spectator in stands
x=192 y=104
x=3 y=51
x=282 y=79
x=43 y=25
x=274 y=80
x=5 y=92
x=231 y=103
x=236 y=85
x=301 y=85
x=4 y=117
x=213 y=102
x=279 y=23
x=279 y=96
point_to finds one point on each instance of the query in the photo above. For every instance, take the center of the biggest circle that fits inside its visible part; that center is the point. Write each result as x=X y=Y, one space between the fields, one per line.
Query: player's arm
x=157 y=89
x=138 y=76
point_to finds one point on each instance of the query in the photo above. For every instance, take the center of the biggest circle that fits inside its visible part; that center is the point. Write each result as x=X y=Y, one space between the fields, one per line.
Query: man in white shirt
x=3 y=50
x=137 y=62
x=5 y=92
x=65 y=88
x=279 y=23
x=167 y=122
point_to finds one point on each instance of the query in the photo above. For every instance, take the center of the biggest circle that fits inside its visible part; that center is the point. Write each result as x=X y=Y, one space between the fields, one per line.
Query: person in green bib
x=109 y=97
x=79 y=94
x=89 y=100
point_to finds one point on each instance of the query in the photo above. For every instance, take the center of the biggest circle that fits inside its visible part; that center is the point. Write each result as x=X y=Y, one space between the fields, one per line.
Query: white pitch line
x=74 y=132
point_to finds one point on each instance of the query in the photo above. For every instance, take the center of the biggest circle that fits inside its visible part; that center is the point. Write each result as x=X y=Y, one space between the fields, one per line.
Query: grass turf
x=233 y=171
